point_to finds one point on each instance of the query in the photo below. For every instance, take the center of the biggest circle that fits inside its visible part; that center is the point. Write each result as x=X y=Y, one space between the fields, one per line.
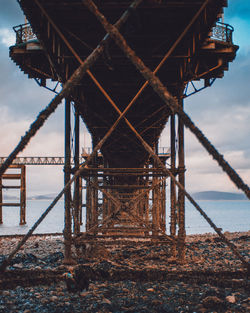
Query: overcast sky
x=222 y=112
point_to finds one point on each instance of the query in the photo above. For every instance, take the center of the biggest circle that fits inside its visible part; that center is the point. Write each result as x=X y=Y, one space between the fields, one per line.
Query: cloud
x=7 y=37
x=45 y=179
x=238 y=15
x=238 y=8
x=10 y=14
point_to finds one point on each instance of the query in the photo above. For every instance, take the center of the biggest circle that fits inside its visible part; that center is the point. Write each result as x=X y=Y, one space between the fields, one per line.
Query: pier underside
x=126 y=186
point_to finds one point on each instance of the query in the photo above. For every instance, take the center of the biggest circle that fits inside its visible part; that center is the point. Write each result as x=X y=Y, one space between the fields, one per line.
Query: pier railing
x=221 y=32
x=24 y=33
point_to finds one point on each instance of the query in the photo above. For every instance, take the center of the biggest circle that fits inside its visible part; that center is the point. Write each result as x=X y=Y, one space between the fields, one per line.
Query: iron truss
x=59 y=160
x=39 y=160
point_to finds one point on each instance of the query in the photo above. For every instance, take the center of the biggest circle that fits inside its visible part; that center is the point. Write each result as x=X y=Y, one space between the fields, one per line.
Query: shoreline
x=130 y=279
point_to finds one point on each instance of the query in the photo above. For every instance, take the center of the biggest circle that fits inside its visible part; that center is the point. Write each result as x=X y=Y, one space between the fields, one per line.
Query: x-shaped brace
x=127 y=209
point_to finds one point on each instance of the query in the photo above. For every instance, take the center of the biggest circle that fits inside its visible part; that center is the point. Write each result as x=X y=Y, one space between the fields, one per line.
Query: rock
x=213 y=302
x=231 y=299
x=17 y=265
x=54 y=298
x=156 y=302
x=150 y=289
x=53 y=258
x=106 y=301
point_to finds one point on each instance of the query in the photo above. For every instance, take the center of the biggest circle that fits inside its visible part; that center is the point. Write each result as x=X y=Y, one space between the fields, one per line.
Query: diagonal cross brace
x=131 y=202
x=170 y=101
x=166 y=97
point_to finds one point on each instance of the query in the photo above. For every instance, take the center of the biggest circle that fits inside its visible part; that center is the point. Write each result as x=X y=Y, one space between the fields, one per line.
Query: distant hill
x=42 y=197
x=34 y=197
x=218 y=195
x=10 y=197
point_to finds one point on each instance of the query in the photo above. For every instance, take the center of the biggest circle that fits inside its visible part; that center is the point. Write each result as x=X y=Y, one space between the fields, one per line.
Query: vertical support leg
x=88 y=205
x=1 y=201
x=155 y=194
x=95 y=211
x=23 y=196
x=77 y=181
x=181 y=195
x=67 y=196
x=163 y=204
x=172 y=184
x=80 y=200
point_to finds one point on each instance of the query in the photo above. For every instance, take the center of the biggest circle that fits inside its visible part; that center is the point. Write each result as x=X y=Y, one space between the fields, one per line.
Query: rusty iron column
x=77 y=181
x=181 y=195
x=163 y=204
x=1 y=200
x=94 y=191
x=80 y=201
x=23 y=195
x=173 y=217
x=67 y=195
x=155 y=199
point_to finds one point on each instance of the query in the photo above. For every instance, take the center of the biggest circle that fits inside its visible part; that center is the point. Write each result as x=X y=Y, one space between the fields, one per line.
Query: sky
x=222 y=112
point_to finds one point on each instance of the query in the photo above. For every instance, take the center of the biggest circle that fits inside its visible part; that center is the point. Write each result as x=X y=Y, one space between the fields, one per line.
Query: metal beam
x=181 y=195
x=67 y=232
x=77 y=204
x=173 y=217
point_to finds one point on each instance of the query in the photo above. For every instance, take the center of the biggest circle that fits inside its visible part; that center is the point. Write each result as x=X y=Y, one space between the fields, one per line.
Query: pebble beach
x=135 y=278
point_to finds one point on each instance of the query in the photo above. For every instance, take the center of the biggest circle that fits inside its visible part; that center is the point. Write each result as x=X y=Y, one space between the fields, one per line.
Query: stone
x=156 y=302
x=107 y=301
x=54 y=298
x=150 y=289
x=213 y=302
x=231 y=299
x=18 y=265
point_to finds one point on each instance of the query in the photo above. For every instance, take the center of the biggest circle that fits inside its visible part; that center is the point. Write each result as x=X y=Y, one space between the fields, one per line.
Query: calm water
x=229 y=215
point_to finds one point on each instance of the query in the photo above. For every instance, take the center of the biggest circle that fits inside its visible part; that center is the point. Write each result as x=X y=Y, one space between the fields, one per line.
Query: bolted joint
x=181 y=169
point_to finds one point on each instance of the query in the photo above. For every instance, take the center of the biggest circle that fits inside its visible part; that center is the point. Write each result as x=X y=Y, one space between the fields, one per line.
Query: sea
x=230 y=215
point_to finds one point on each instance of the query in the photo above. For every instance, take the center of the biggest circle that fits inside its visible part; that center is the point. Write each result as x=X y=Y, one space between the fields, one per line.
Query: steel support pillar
x=181 y=195
x=23 y=195
x=77 y=181
x=1 y=201
x=80 y=201
x=67 y=196
x=173 y=218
